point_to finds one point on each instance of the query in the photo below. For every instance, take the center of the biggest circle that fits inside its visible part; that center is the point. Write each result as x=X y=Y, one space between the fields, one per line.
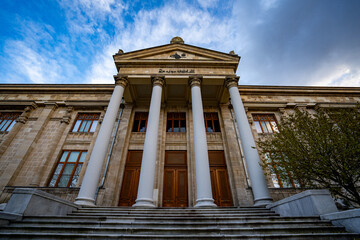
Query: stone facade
x=30 y=151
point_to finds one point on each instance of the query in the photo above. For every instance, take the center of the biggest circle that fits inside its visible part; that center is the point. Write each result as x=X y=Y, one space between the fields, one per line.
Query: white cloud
x=34 y=58
x=157 y=27
x=88 y=16
x=207 y=3
x=341 y=75
x=276 y=47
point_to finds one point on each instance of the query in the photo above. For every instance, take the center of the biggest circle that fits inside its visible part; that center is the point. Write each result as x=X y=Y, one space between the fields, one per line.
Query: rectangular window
x=68 y=169
x=212 y=122
x=86 y=122
x=265 y=123
x=140 y=122
x=176 y=122
x=280 y=176
x=7 y=121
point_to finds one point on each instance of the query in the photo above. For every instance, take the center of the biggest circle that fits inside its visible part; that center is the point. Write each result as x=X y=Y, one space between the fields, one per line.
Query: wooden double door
x=175 y=193
x=175 y=190
x=130 y=184
x=219 y=179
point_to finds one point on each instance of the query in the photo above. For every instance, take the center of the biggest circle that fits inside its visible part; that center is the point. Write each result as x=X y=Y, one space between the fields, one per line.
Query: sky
x=281 y=42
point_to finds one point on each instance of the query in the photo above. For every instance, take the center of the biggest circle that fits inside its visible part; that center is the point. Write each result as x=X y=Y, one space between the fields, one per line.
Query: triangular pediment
x=177 y=52
x=178 y=55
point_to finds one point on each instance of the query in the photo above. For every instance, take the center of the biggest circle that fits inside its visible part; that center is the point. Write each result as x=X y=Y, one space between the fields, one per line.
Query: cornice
x=244 y=89
x=57 y=88
x=296 y=90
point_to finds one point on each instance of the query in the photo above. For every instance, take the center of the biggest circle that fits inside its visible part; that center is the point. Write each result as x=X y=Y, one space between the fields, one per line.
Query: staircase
x=172 y=223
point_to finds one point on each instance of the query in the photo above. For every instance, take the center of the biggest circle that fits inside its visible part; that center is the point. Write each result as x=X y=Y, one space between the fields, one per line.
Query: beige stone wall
x=30 y=151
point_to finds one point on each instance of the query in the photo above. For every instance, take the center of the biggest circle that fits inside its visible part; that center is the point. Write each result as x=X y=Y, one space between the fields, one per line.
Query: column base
x=86 y=202
x=205 y=202
x=262 y=202
x=144 y=203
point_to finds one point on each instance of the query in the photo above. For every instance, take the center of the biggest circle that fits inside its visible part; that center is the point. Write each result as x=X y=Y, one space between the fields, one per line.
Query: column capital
x=121 y=80
x=195 y=80
x=158 y=80
x=231 y=81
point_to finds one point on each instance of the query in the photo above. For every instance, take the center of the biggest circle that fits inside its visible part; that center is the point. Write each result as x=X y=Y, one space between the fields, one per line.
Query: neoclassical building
x=174 y=130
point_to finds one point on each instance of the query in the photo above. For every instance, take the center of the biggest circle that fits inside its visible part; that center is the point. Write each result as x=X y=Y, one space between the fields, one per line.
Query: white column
x=148 y=162
x=91 y=178
x=257 y=177
x=204 y=196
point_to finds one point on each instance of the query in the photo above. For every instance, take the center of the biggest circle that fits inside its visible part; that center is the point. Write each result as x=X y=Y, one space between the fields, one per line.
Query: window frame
x=270 y=117
x=5 y=117
x=175 y=117
x=213 y=117
x=140 y=116
x=79 y=117
x=280 y=181
x=77 y=163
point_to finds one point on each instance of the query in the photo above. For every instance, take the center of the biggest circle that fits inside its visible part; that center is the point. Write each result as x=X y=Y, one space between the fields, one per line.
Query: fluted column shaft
x=204 y=196
x=258 y=182
x=91 y=178
x=148 y=163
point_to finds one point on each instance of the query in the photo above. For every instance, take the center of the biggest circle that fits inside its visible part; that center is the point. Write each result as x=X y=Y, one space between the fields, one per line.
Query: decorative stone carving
x=25 y=115
x=67 y=116
x=101 y=118
x=177 y=40
x=301 y=107
x=231 y=81
x=121 y=81
x=195 y=80
x=282 y=111
x=158 y=80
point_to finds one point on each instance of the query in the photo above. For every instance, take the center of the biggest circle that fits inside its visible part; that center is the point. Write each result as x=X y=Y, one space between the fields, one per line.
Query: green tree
x=320 y=150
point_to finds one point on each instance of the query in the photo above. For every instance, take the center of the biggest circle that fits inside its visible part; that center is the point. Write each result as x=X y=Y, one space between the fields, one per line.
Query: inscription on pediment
x=161 y=70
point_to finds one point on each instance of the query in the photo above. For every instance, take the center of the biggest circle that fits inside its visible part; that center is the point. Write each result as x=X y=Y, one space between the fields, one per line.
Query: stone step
x=171 y=212
x=169 y=215
x=175 y=208
x=227 y=223
x=169 y=220
x=166 y=210
x=154 y=224
x=252 y=236
x=208 y=231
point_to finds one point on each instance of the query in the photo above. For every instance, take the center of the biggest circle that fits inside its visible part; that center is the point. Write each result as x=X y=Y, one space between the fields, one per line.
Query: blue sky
x=281 y=42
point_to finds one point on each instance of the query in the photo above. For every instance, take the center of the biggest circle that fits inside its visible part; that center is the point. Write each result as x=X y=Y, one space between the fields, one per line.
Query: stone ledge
x=6 y=217
x=33 y=202
x=349 y=219
x=45 y=195
x=307 y=203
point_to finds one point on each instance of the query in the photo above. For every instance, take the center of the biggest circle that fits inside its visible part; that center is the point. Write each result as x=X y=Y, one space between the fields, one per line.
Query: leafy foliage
x=320 y=150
